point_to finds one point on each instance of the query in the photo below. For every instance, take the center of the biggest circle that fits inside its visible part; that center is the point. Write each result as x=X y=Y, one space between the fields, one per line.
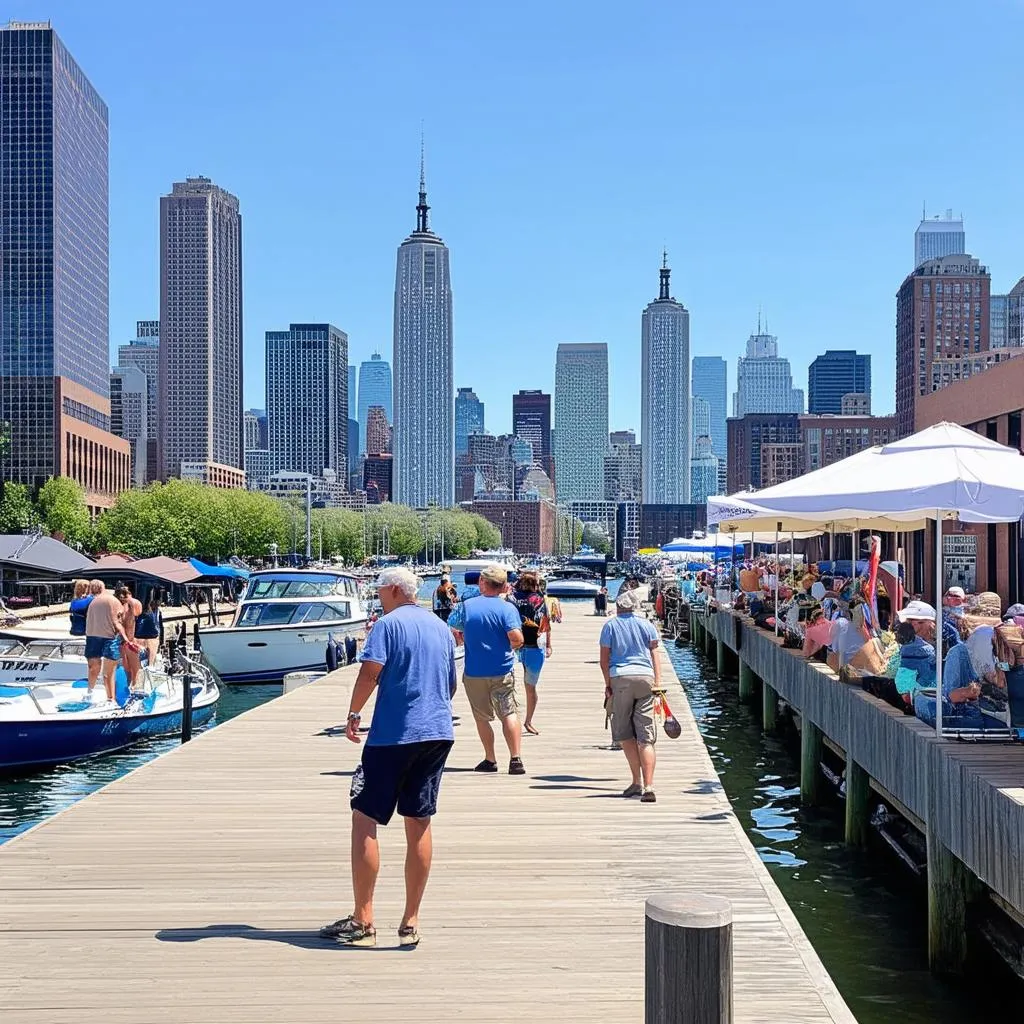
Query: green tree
x=17 y=513
x=63 y=510
x=488 y=536
x=596 y=537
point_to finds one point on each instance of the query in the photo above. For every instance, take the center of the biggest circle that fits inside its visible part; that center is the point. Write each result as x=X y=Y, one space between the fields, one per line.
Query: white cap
x=956 y=592
x=917 y=610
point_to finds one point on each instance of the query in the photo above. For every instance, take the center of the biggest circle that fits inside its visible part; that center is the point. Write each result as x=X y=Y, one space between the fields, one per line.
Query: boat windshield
x=317 y=586
x=265 y=614
x=47 y=649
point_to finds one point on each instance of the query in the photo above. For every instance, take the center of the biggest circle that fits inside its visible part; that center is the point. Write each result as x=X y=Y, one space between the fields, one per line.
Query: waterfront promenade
x=191 y=890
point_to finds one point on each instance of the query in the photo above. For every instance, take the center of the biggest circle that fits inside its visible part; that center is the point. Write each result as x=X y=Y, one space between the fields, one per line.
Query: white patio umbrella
x=942 y=472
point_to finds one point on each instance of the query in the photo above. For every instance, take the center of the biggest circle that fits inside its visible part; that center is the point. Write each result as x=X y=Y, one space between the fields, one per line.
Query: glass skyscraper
x=54 y=359
x=374 y=389
x=938 y=237
x=307 y=399
x=665 y=398
x=835 y=373
x=764 y=381
x=469 y=419
x=424 y=435
x=581 y=420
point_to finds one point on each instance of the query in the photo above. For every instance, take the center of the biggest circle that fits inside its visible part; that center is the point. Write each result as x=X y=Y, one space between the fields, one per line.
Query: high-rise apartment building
x=835 y=373
x=469 y=419
x=1006 y=318
x=307 y=399
x=54 y=309
x=129 y=415
x=623 y=469
x=200 y=424
x=937 y=237
x=377 y=476
x=251 y=428
x=764 y=381
x=143 y=352
x=374 y=389
x=378 y=432
x=754 y=446
x=942 y=320
x=531 y=420
x=581 y=420
x=353 y=390
x=424 y=435
x=665 y=397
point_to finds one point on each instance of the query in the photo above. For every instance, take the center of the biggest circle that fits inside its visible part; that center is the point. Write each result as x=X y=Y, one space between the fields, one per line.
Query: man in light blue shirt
x=409 y=659
x=492 y=632
x=631 y=674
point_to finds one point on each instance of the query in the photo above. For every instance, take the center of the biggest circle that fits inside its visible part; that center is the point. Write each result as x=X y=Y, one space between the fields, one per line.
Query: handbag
x=870 y=659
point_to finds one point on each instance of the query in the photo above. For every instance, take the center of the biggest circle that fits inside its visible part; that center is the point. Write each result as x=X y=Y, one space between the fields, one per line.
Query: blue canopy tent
x=224 y=572
x=716 y=544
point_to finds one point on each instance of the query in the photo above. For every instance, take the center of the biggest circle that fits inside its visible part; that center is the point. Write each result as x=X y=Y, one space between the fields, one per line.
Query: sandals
x=408 y=936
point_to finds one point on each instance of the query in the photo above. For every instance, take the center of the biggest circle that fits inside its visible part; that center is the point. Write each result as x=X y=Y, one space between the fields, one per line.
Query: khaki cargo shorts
x=633 y=709
x=491 y=696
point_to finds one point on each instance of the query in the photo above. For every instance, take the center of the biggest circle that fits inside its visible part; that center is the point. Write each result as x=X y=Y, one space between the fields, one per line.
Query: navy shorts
x=101 y=647
x=406 y=776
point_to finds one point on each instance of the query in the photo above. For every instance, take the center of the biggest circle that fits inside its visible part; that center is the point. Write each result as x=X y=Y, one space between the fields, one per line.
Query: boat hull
x=254 y=655
x=35 y=744
x=572 y=589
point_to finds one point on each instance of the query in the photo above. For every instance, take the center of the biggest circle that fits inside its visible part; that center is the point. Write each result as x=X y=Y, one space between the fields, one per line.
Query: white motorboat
x=572 y=583
x=45 y=720
x=283 y=624
x=464 y=565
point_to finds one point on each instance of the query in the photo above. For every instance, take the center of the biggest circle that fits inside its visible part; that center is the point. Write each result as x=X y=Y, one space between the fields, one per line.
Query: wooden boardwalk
x=190 y=891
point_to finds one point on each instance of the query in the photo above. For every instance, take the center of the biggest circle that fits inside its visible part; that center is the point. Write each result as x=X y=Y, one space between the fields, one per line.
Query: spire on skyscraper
x=422 y=210
x=665 y=272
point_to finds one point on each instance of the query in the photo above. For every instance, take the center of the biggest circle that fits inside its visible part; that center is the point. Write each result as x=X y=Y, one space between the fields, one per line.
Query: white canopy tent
x=942 y=472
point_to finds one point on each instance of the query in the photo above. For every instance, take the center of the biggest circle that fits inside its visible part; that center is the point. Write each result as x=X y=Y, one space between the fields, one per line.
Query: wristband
x=354 y=716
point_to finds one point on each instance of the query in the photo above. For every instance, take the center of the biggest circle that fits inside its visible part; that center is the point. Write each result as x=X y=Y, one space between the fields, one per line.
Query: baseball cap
x=627 y=601
x=494 y=574
x=917 y=610
x=956 y=592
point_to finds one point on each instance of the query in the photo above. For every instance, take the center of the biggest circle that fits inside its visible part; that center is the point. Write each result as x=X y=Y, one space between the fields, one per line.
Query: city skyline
x=778 y=207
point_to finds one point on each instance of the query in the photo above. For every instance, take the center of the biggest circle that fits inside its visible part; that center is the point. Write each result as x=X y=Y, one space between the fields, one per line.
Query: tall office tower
x=622 y=437
x=378 y=432
x=143 y=352
x=355 y=474
x=764 y=381
x=251 y=426
x=938 y=237
x=709 y=380
x=377 y=477
x=129 y=415
x=531 y=420
x=424 y=436
x=701 y=425
x=581 y=420
x=54 y=359
x=469 y=419
x=353 y=403
x=835 y=373
x=1006 y=318
x=703 y=470
x=307 y=399
x=942 y=329
x=200 y=425
x=665 y=397
x=374 y=389
x=623 y=469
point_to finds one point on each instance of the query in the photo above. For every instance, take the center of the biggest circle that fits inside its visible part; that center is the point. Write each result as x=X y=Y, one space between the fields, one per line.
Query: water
x=864 y=913
x=25 y=802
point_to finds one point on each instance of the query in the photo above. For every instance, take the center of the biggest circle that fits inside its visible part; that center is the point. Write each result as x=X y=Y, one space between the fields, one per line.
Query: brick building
x=661 y=523
x=746 y=435
x=527 y=527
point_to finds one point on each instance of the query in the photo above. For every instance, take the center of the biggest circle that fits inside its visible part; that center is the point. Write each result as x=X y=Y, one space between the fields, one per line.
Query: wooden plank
x=191 y=890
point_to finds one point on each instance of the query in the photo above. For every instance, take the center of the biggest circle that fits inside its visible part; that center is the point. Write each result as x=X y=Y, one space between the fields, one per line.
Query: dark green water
x=864 y=913
x=24 y=802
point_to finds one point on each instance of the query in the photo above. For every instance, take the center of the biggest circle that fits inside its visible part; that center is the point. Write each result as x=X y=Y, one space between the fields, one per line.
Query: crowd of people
x=893 y=651
x=409 y=659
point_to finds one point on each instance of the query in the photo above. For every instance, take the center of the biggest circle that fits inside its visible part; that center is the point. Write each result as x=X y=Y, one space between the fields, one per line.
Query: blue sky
x=781 y=151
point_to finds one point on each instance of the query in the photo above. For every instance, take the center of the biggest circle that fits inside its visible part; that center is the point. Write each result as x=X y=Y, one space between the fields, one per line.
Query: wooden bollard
x=688 y=960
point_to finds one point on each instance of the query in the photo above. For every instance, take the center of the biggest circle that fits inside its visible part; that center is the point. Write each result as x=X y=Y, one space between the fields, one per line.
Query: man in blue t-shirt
x=492 y=632
x=409 y=658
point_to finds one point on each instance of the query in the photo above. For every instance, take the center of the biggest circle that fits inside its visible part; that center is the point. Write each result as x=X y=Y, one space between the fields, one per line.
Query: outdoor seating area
x=954 y=659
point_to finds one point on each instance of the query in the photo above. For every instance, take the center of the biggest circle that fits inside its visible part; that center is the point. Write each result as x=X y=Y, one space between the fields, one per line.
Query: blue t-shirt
x=487 y=623
x=630 y=641
x=78 y=609
x=417 y=682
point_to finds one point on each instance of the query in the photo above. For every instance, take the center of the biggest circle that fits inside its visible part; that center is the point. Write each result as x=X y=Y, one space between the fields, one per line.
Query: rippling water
x=864 y=913
x=27 y=801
